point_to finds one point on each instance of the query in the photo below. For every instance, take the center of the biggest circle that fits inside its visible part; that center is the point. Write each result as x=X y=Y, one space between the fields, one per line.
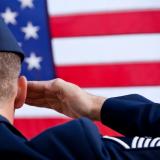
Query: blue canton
x=28 y=20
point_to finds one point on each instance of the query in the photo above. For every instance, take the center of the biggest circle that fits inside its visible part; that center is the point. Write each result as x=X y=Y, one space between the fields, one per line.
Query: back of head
x=13 y=89
x=11 y=57
x=10 y=65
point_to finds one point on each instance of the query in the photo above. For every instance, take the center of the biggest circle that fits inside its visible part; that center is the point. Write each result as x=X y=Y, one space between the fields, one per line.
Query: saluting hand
x=64 y=97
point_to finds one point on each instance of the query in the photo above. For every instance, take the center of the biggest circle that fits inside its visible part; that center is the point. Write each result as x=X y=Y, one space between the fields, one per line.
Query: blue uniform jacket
x=134 y=116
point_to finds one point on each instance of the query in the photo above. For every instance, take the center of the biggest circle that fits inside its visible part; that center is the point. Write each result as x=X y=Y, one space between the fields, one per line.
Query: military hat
x=8 y=42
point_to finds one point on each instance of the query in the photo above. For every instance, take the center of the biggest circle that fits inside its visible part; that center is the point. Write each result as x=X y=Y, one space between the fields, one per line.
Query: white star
x=30 y=31
x=33 y=61
x=9 y=16
x=26 y=3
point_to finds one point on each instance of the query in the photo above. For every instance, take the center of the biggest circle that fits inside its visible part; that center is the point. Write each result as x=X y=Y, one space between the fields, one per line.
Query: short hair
x=10 y=65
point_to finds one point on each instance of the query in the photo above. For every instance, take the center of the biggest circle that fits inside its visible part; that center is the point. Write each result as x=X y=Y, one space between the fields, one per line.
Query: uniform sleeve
x=117 y=152
x=132 y=115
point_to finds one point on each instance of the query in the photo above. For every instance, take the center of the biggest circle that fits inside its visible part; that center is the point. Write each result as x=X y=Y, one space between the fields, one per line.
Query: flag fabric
x=28 y=21
x=109 y=48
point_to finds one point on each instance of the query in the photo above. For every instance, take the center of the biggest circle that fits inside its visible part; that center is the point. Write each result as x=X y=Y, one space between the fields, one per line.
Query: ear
x=21 y=93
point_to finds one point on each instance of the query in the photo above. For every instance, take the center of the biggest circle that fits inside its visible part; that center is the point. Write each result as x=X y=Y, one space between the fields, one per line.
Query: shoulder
x=75 y=139
x=80 y=126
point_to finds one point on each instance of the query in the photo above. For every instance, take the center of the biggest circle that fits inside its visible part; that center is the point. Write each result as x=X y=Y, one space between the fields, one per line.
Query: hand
x=64 y=97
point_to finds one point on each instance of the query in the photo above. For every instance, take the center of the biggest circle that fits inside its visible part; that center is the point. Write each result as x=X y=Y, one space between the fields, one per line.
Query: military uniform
x=133 y=115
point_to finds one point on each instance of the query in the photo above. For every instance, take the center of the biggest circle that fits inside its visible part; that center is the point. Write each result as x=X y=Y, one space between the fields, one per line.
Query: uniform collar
x=3 y=119
x=11 y=127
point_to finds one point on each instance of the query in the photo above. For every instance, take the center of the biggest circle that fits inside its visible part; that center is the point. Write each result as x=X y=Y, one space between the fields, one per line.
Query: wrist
x=97 y=104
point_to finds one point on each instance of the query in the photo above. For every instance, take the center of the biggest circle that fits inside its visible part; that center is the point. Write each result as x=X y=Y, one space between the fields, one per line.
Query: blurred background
x=107 y=47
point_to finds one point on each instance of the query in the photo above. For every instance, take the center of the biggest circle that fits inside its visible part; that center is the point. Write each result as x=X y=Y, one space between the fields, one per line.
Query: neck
x=7 y=111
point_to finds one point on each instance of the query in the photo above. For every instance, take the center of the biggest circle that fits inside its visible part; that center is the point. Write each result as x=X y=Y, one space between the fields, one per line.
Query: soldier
x=132 y=115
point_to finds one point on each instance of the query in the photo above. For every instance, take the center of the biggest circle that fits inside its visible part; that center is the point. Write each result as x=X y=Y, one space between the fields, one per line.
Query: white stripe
x=146 y=143
x=118 y=141
x=151 y=93
x=57 y=7
x=154 y=141
x=140 y=142
x=106 y=49
x=35 y=112
x=158 y=144
x=134 y=142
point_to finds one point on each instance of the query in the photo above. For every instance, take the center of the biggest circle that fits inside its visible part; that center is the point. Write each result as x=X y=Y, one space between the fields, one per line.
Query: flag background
x=108 y=48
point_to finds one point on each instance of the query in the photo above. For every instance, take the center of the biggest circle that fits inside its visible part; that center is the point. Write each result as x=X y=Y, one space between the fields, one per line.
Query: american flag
x=108 y=47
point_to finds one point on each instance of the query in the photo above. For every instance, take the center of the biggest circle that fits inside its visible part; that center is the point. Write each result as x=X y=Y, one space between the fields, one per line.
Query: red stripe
x=105 y=23
x=108 y=75
x=32 y=127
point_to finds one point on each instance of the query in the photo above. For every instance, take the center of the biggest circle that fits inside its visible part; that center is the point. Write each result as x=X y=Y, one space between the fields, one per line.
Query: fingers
x=40 y=86
x=37 y=86
x=50 y=103
x=38 y=102
x=34 y=95
x=35 y=89
x=40 y=92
